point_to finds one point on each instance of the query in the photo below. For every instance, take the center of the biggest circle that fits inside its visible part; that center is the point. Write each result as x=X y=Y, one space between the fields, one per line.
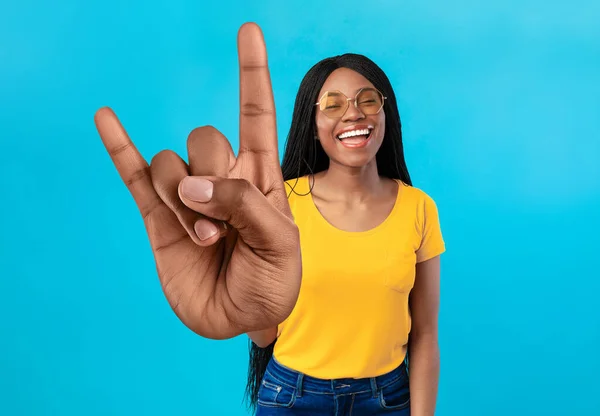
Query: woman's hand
x=246 y=277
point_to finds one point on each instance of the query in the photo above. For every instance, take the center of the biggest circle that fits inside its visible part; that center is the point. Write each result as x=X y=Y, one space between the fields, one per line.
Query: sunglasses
x=334 y=104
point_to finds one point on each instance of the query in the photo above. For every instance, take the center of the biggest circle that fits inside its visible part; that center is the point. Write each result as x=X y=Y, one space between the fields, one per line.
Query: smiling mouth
x=355 y=138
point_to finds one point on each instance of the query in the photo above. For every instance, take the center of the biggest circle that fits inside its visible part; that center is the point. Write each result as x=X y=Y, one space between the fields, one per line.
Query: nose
x=352 y=112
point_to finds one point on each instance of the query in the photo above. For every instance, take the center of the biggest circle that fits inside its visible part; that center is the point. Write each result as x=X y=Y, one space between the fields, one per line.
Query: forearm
x=263 y=338
x=424 y=368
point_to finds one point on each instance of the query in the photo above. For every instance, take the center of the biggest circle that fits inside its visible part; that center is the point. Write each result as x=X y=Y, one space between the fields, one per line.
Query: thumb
x=238 y=203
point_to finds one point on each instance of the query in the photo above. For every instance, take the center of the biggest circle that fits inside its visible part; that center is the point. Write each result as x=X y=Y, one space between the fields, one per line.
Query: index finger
x=130 y=164
x=258 y=127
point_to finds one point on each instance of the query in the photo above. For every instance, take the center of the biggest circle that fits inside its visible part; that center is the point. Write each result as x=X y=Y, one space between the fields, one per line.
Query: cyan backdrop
x=500 y=102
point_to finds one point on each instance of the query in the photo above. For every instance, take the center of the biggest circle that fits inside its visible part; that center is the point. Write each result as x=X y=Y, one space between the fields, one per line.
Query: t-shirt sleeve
x=432 y=241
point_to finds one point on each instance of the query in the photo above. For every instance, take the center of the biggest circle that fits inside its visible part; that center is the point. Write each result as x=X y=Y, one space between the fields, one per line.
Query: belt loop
x=299 y=384
x=374 y=386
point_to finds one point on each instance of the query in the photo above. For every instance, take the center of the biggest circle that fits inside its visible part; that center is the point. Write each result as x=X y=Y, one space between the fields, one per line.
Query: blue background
x=501 y=110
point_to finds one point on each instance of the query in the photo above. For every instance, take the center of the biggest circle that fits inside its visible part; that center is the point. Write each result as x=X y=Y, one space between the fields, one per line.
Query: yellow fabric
x=352 y=317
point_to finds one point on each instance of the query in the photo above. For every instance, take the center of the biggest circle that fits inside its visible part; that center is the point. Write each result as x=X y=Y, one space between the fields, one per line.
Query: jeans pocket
x=395 y=395
x=273 y=393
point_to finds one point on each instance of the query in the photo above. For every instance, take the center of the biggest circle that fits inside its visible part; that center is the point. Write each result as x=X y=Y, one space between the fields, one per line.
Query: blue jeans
x=287 y=392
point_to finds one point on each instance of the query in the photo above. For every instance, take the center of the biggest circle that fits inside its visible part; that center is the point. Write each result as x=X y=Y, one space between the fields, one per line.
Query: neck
x=351 y=184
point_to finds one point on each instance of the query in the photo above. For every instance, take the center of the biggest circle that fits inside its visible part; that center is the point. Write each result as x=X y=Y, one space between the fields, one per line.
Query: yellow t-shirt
x=352 y=317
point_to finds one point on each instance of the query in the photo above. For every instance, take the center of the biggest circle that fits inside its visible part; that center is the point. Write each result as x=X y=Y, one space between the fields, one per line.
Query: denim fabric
x=287 y=392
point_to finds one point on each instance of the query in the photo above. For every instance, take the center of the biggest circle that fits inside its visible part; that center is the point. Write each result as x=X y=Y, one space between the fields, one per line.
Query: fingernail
x=205 y=230
x=197 y=189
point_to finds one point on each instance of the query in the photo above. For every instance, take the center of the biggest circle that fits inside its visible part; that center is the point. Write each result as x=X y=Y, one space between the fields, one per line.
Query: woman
x=370 y=246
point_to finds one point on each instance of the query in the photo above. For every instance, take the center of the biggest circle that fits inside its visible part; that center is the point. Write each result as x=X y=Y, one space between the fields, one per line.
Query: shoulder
x=297 y=187
x=415 y=201
x=416 y=195
x=296 y=191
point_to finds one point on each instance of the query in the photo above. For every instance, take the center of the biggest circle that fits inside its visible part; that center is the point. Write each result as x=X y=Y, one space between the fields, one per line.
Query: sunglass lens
x=333 y=104
x=369 y=101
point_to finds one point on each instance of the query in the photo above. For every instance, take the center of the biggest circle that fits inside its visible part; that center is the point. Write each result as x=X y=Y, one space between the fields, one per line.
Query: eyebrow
x=355 y=91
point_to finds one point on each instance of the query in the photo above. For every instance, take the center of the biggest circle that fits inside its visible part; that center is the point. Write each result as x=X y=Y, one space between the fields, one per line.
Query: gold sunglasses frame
x=318 y=103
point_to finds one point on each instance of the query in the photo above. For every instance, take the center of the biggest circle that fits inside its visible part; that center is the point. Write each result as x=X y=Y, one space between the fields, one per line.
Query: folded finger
x=168 y=169
x=209 y=152
x=238 y=203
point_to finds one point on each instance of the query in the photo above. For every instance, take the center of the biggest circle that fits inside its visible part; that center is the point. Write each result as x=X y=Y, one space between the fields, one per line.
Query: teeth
x=353 y=133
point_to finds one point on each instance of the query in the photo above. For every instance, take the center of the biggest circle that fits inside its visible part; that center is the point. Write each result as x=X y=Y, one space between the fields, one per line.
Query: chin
x=357 y=161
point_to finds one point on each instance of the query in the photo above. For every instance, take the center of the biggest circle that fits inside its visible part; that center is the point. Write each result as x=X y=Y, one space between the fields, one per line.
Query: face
x=353 y=138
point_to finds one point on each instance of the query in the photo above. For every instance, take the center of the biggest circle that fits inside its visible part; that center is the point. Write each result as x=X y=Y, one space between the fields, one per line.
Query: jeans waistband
x=304 y=383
